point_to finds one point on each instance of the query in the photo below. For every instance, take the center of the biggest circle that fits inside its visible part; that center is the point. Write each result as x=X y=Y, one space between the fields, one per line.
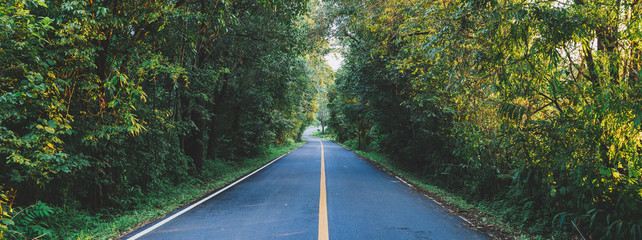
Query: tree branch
x=417 y=34
x=345 y=31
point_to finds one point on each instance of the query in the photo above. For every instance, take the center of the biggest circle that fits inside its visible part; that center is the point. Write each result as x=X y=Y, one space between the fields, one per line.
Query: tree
x=322 y=114
x=102 y=98
x=526 y=101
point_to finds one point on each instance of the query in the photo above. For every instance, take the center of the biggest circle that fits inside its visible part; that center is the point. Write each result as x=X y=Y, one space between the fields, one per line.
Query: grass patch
x=72 y=223
x=485 y=217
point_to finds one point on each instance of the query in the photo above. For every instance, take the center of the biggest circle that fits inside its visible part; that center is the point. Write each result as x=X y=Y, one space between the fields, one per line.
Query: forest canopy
x=533 y=107
x=536 y=105
x=100 y=99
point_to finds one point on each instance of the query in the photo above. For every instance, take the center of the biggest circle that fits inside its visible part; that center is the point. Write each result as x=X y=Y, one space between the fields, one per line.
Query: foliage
x=536 y=103
x=6 y=202
x=77 y=223
x=102 y=101
x=22 y=223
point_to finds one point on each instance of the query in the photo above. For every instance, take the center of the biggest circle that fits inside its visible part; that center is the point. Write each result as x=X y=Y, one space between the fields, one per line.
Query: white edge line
x=466 y=220
x=400 y=179
x=170 y=218
x=403 y=181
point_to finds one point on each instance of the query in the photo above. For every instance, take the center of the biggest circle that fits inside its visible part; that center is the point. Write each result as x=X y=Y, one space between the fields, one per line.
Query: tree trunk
x=212 y=137
x=636 y=55
x=194 y=144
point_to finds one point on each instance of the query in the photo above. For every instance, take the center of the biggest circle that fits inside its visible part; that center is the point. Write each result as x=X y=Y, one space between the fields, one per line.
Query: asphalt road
x=286 y=200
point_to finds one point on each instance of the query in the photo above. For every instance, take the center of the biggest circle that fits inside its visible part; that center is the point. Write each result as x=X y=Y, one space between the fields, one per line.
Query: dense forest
x=530 y=106
x=104 y=100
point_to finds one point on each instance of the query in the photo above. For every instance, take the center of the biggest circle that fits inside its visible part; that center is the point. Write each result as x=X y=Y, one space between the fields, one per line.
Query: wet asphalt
x=282 y=202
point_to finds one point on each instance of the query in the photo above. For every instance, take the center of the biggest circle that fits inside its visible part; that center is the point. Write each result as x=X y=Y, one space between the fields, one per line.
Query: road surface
x=286 y=200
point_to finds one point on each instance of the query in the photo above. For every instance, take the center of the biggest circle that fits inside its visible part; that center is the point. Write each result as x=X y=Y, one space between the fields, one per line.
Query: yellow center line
x=323 y=207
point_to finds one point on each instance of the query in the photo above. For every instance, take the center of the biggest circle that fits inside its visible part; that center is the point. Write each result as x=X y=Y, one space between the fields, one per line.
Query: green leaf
x=50 y=130
x=52 y=123
x=41 y=3
x=7 y=222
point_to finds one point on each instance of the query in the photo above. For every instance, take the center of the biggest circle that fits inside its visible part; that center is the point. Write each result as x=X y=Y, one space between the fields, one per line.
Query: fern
x=27 y=222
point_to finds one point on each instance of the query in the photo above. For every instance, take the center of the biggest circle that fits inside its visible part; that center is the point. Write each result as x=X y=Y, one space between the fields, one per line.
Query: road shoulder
x=207 y=190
